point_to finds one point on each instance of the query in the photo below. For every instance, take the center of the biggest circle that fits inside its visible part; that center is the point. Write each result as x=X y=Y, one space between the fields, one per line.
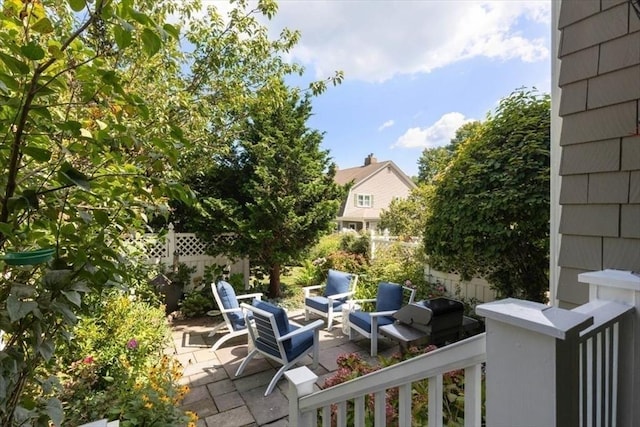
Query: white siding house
x=374 y=185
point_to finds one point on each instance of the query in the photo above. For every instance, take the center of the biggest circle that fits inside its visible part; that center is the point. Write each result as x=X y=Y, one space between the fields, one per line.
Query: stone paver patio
x=222 y=400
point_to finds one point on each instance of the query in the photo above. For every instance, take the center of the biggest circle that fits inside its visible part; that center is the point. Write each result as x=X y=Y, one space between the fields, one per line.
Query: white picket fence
x=477 y=287
x=175 y=248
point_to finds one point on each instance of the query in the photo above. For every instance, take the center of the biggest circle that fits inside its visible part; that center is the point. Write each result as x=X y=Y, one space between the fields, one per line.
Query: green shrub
x=197 y=302
x=115 y=367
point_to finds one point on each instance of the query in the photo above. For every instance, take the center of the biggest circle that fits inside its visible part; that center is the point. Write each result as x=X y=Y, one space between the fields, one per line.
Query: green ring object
x=29 y=257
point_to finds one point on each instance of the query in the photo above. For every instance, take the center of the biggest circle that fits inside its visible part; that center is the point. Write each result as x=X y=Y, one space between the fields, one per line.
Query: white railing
x=545 y=366
x=468 y=355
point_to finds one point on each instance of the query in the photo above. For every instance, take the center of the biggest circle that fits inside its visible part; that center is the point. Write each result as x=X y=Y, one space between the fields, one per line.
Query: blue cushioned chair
x=339 y=287
x=233 y=319
x=275 y=337
x=390 y=297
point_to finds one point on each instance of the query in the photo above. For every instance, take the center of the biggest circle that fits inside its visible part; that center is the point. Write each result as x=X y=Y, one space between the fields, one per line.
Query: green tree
x=274 y=191
x=406 y=217
x=490 y=210
x=433 y=161
x=98 y=103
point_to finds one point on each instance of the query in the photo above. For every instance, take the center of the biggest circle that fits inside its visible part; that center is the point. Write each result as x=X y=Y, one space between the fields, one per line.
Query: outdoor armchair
x=390 y=297
x=233 y=319
x=275 y=337
x=338 y=288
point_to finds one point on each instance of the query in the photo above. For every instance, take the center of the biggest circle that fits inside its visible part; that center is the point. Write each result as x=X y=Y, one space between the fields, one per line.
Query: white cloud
x=373 y=40
x=385 y=125
x=437 y=135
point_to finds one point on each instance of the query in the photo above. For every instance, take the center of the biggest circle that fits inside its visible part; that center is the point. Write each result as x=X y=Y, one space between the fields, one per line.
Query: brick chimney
x=369 y=160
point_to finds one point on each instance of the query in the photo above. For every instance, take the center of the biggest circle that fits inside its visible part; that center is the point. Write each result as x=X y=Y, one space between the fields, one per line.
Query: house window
x=364 y=200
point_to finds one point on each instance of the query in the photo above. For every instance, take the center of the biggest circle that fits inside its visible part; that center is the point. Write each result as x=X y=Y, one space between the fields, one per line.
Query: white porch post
x=623 y=287
x=301 y=381
x=532 y=363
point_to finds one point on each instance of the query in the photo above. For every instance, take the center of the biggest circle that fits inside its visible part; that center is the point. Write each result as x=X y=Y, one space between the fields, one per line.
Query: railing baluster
x=326 y=416
x=473 y=396
x=614 y=374
x=609 y=379
x=404 y=404
x=435 y=401
x=594 y=381
x=358 y=411
x=380 y=409
x=342 y=414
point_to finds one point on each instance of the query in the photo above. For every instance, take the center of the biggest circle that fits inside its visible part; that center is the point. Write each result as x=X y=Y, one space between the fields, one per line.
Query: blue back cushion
x=228 y=298
x=389 y=296
x=279 y=314
x=337 y=283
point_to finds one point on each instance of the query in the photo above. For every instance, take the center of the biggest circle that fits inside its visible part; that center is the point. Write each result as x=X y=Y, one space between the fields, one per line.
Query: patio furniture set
x=395 y=316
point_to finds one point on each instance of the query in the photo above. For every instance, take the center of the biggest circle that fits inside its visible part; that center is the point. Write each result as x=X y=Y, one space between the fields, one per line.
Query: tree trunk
x=274 y=281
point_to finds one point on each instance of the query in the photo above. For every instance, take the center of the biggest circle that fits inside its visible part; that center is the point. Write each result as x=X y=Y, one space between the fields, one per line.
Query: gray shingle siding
x=620 y=53
x=590 y=220
x=599 y=78
x=634 y=187
x=595 y=29
x=612 y=187
x=581 y=252
x=630 y=153
x=586 y=66
x=596 y=156
x=577 y=12
x=614 y=87
x=623 y=254
x=613 y=121
x=576 y=99
x=575 y=189
x=630 y=221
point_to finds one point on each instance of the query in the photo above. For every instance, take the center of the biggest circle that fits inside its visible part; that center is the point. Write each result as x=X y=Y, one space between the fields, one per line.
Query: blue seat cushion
x=338 y=282
x=293 y=347
x=389 y=296
x=322 y=304
x=228 y=298
x=362 y=319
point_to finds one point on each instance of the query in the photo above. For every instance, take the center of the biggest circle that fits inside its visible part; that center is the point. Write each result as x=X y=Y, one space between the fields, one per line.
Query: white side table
x=346 y=309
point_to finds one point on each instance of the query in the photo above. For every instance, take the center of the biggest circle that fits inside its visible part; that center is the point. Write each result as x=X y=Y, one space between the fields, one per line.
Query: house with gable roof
x=373 y=186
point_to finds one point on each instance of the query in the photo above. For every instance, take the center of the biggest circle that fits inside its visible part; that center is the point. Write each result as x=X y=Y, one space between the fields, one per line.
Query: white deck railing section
x=545 y=366
x=468 y=355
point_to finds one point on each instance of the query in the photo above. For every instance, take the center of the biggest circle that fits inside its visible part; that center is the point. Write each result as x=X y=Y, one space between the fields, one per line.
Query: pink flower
x=132 y=344
x=87 y=360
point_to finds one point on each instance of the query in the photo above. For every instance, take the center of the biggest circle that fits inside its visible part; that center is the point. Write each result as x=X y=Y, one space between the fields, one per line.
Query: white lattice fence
x=188 y=249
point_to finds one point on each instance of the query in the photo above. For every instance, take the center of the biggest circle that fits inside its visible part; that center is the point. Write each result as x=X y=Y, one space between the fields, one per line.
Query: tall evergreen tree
x=274 y=190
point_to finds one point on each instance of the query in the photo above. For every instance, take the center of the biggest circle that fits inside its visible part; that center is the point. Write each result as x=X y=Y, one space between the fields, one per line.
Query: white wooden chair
x=275 y=337
x=233 y=319
x=339 y=287
x=390 y=297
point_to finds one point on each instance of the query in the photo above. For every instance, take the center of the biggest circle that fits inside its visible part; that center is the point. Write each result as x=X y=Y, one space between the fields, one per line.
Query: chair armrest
x=313 y=325
x=231 y=310
x=338 y=296
x=382 y=313
x=256 y=295
x=358 y=301
x=307 y=289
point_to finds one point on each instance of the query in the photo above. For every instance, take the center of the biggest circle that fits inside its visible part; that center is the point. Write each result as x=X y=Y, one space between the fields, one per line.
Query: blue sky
x=414 y=70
